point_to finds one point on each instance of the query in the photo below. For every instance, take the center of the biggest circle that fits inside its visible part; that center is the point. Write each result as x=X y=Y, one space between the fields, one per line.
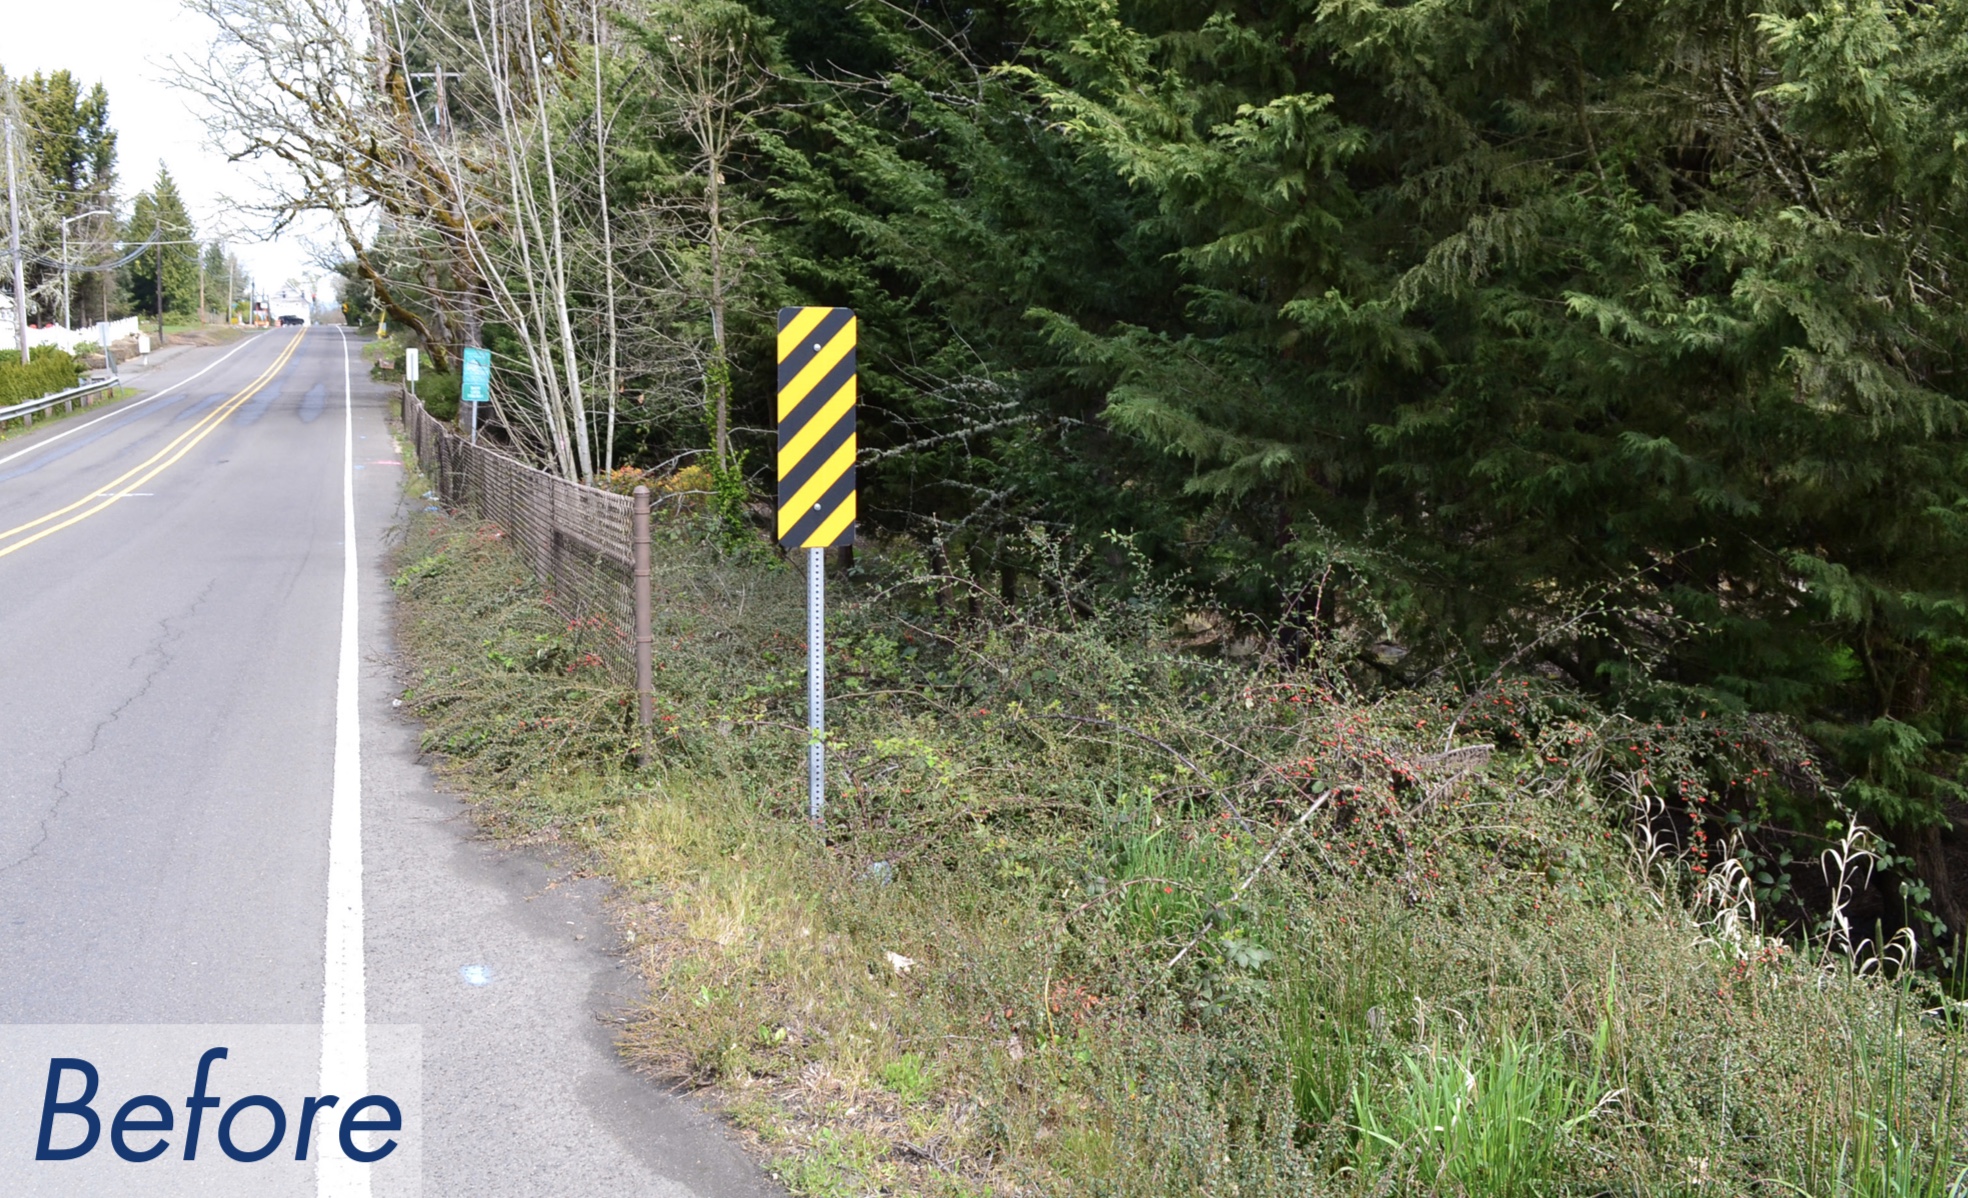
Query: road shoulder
x=507 y=958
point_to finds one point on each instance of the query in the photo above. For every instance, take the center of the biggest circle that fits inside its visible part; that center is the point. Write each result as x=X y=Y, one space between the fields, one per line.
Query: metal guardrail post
x=644 y=641
x=25 y=412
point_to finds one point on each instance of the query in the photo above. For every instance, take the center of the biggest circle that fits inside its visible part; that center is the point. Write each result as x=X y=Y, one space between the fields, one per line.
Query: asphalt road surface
x=209 y=814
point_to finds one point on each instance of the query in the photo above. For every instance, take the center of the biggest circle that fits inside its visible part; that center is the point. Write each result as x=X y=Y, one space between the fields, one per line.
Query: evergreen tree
x=73 y=150
x=1499 y=306
x=1658 y=301
x=922 y=188
x=213 y=268
x=159 y=216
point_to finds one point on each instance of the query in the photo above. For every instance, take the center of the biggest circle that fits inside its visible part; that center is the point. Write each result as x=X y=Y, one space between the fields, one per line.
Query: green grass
x=1495 y=1119
x=1093 y=916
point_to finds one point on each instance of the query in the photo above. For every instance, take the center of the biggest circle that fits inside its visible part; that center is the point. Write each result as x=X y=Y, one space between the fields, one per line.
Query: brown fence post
x=644 y=642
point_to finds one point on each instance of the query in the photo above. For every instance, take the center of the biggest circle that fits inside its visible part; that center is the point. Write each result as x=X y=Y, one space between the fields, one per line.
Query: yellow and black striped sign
x=816 y=427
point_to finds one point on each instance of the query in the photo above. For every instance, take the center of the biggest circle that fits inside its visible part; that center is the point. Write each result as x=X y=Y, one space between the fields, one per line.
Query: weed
x=1493 y=1120
x=1091 y=915
x=907 y=1077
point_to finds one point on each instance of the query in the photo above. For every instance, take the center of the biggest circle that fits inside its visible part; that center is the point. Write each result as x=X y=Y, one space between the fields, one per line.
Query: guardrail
x=26 y=412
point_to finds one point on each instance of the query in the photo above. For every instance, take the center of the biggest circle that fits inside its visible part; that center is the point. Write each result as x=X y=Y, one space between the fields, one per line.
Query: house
x=291 y=302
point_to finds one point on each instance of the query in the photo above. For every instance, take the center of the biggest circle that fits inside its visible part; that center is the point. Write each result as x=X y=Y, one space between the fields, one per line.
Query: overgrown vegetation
x=47 y=371
x=1483 y=312
x=1096 y=913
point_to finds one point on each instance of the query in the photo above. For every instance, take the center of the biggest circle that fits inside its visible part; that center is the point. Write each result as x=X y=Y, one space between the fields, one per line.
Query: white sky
x=125 y=45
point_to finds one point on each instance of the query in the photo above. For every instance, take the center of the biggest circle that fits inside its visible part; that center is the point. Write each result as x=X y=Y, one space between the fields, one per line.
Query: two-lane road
x=176 y=673
x=167 y=574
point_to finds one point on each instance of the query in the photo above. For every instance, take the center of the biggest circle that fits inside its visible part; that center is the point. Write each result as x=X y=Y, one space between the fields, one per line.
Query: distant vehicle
x=290 y=307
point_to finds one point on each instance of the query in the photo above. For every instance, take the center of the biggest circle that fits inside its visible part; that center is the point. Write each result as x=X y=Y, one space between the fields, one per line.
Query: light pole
x=64 y=230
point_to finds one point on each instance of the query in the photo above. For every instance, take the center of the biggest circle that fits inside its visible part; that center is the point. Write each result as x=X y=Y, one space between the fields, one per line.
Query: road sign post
x=476 y=386
x=817 y=499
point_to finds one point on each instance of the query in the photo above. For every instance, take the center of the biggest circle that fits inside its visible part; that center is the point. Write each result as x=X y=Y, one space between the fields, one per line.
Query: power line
x=125 y=260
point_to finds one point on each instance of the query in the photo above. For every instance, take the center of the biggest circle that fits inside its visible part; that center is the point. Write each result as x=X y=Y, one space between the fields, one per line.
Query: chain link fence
x=581 y=542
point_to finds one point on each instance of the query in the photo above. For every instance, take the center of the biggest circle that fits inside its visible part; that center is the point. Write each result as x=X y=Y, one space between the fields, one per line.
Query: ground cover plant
x=1095 y=912
x=47 y=371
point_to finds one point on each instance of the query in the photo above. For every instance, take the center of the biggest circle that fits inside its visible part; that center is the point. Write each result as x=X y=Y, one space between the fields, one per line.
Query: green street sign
x=478 y=376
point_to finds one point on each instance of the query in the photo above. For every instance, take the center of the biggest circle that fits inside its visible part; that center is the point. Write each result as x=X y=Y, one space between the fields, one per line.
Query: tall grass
x=1492 y=1120
x=1093 y=916
x=1889 y=1128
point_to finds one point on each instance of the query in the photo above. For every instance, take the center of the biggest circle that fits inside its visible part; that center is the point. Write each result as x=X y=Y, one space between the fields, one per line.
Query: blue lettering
x=265 y=1150
x=145 y=1115
x=199 y=1103
x=44 y=1149
x=305 y=1132
x=123 y=1123
x=393 y=1121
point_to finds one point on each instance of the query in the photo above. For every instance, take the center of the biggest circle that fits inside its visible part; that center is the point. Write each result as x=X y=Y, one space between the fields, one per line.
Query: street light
x=64 y=231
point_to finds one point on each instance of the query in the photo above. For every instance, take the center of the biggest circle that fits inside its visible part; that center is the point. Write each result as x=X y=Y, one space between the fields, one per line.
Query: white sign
x=410 y=365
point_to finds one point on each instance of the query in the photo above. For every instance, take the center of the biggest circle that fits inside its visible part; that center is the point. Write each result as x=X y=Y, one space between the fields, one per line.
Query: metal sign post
x=816 y=683
x=817 y=499
x=476 y=386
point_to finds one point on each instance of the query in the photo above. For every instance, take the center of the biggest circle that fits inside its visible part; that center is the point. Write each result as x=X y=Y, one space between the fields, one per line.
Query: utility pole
x=66 y=221
x=13 y=242
x=441 y=110
x=230 y=263
x=160 y=285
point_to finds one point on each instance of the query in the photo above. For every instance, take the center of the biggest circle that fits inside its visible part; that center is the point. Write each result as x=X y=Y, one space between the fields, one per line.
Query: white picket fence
x=68 y=339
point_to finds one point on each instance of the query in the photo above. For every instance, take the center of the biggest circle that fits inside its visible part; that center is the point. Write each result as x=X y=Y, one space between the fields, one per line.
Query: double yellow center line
x=147 y=469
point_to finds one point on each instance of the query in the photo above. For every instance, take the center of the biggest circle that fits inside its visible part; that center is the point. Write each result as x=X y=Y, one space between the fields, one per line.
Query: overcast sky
x=125 y=45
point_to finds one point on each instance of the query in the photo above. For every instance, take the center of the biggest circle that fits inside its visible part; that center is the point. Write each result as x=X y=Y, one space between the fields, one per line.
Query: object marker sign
x=817 y=501
x=816 y=428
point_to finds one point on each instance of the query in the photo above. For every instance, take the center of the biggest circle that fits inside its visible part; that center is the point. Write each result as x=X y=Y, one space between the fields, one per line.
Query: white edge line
x=344 y=1034
x=129 y=407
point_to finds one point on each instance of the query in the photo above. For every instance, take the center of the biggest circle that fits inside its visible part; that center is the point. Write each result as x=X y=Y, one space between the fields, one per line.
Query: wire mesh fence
x=579 y=541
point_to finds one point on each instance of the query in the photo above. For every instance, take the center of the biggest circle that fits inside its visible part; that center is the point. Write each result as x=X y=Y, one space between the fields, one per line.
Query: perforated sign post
x=476 y=385
x=816 y=487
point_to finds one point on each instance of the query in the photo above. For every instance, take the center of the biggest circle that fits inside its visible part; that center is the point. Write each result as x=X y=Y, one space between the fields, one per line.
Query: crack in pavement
x=157 y=648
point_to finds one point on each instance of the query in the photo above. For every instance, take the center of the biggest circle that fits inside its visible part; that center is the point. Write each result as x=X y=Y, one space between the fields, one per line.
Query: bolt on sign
x=816 y=427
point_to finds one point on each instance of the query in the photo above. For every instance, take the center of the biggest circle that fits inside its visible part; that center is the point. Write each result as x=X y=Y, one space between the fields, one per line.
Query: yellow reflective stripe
x=816 y=428
x=232 y=405
x=825 y=534
x=807 y=379
x=815 y=487
x=796 y=332
x=218 y=413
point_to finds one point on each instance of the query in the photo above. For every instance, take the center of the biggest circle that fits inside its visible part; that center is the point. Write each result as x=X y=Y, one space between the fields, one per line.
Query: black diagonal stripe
x=829 y=327
x=815 y=458
x=816 y=399
x=829 y=504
